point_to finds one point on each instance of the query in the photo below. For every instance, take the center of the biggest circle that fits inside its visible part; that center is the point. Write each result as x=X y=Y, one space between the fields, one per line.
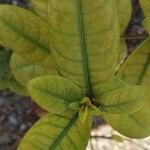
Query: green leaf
x=26 y=34
x=5 y=72
x=84 y=41
x=136 y=69
x=54 y=93
x=94 y=111
x=118 y=138
x=145 y=4
x=75 y=105
x=146 y=9
x=83 y=114
x=136 y=125
x=7 y=80
x=123 y=50
x=126 y=100
x=146 y=24
x=24 y=70
x=16 y=87
x=55 y=132
x=4 y=61
x=124 y=12
x=86 y=109
x=39 y=7
x=112 y=85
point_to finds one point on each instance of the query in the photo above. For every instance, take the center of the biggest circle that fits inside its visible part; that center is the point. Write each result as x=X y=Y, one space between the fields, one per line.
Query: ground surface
x=16 y=117
x=17 y=113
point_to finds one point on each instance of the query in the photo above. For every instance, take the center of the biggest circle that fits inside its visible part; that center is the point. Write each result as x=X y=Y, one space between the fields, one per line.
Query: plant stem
x=101 y=137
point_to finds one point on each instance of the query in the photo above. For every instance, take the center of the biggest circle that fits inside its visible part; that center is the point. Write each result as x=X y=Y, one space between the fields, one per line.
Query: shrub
x=64 y=55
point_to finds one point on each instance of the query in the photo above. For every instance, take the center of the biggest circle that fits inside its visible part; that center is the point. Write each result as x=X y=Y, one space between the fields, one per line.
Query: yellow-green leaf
x=83 y=114
x=115 y=84
x=16 y=87
x=125 y=100
x=24 y=70
x=54 y=93
x=123 y=50
x=146 y=24
x=84 y=39
x=75 y=106
x=146 y=9
x=124 y=12
x=136 y=69
x=39 y=7
x=145 y=4
x=25 y=33
x=56 y=132
x=136 y=125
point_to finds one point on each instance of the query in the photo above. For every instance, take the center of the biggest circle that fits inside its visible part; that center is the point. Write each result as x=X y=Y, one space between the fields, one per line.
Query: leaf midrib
x=51 y=94
x=28 y=38
x=84 y=49
x=63 y=133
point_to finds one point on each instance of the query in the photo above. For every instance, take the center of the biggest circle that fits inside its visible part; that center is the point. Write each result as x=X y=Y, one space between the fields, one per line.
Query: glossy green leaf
x=136 y=125
x=125 y=100
x=25 y=33
x=124 y=12
x=84 y=39
x=24 y=70
x=54 y=93
x=39 y=7
x=56 y=132
x=136 y=69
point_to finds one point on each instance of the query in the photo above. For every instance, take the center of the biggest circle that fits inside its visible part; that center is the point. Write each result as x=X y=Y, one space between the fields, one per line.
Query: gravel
x=16 y=117
x=105 y=142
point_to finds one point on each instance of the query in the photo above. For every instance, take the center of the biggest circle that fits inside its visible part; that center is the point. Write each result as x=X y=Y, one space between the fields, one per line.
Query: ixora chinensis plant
x=65 y=52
